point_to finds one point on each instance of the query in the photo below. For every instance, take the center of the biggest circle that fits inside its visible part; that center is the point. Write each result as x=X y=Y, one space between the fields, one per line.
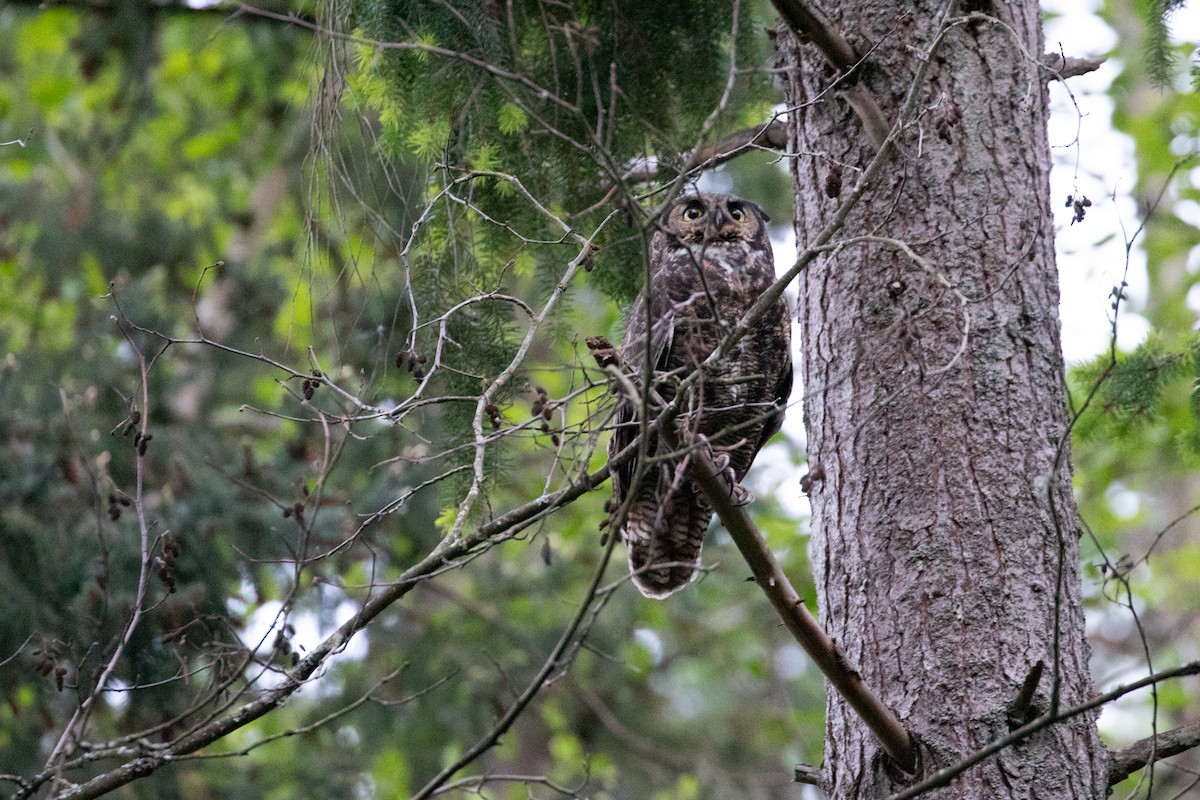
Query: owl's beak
x=719 y=219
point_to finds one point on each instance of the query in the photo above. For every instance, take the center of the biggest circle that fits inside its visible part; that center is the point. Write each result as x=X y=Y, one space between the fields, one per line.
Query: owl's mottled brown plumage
x=710 y=260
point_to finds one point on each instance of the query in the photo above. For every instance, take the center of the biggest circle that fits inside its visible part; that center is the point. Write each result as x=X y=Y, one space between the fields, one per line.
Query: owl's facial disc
x=712 y=220
x=727 y=223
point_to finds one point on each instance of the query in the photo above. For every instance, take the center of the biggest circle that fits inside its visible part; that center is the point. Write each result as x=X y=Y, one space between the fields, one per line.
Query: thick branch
x=1129 y=760
x=804 y=773
x=811 y=24
x=886 y=726
x=771 y=134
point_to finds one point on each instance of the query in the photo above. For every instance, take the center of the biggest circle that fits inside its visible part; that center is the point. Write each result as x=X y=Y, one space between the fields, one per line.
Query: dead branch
x=143 y=761
x=944 y=776
x=1064 y=67
x=1144 y=752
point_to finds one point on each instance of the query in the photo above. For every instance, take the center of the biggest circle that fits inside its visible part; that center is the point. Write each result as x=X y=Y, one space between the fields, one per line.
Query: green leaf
x=429 y=139
x=512 y=119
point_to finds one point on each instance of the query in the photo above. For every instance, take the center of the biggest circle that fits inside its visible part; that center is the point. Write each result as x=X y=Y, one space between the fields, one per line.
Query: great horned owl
x=710 y=260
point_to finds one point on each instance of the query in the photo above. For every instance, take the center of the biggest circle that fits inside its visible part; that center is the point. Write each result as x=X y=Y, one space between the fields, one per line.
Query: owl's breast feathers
x=697 y=294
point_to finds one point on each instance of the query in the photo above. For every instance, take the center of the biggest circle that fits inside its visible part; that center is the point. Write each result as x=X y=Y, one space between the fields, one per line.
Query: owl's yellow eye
x=692 y=213
x=737 y=214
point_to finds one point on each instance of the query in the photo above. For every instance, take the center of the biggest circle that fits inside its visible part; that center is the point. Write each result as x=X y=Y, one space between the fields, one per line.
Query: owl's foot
x=740 y=495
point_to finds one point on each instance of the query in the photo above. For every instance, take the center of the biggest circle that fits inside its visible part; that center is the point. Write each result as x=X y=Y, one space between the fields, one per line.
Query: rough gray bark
x=944 y=532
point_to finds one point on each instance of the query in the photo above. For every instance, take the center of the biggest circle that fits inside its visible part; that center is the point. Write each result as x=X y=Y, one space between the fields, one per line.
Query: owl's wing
x=783 y=390
x=634 y=352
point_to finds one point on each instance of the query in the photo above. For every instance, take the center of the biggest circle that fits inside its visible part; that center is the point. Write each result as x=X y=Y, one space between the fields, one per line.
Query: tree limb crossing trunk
x=944 y=531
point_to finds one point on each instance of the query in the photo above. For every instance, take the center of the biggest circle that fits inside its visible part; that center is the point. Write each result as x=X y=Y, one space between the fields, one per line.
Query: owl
x=710 y=259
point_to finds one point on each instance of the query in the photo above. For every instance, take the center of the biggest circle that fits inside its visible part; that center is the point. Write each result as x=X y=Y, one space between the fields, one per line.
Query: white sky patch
x=1093 y=160
x=791 y=661
x=309 y=631
x=117 y=694
x=1123 y=502
x=651 y=642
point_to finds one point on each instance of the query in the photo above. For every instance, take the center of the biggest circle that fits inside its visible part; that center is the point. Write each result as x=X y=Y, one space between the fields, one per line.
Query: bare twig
x=79 y=717
x=555 y=661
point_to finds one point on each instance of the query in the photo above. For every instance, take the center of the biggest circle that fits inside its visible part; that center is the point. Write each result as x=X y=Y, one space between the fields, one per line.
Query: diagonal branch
x=771 y=135
x=838 y=220
x=809 y=23
x=886 y=726
x=1144 y=752
x=558 y=657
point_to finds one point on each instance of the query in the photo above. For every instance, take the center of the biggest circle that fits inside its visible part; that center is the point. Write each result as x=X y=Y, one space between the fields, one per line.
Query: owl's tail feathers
x=664 y=551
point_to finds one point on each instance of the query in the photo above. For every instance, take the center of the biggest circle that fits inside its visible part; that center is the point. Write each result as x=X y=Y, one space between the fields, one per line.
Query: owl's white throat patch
x=724 y=253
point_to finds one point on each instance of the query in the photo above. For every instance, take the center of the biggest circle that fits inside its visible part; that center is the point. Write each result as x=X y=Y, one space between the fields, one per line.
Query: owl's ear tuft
x=765 y=217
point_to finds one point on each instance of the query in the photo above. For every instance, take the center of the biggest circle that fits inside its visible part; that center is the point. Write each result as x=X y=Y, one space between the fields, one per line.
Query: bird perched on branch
x=710 y=260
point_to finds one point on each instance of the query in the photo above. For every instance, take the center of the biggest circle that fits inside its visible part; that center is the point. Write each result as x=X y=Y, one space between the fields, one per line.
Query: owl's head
x=710 y=219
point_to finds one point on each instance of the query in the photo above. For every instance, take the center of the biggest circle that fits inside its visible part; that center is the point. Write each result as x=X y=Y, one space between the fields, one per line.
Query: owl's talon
x=740 y=495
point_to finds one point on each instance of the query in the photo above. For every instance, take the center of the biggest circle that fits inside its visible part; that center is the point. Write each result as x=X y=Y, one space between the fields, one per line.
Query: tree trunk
x=944 y=531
